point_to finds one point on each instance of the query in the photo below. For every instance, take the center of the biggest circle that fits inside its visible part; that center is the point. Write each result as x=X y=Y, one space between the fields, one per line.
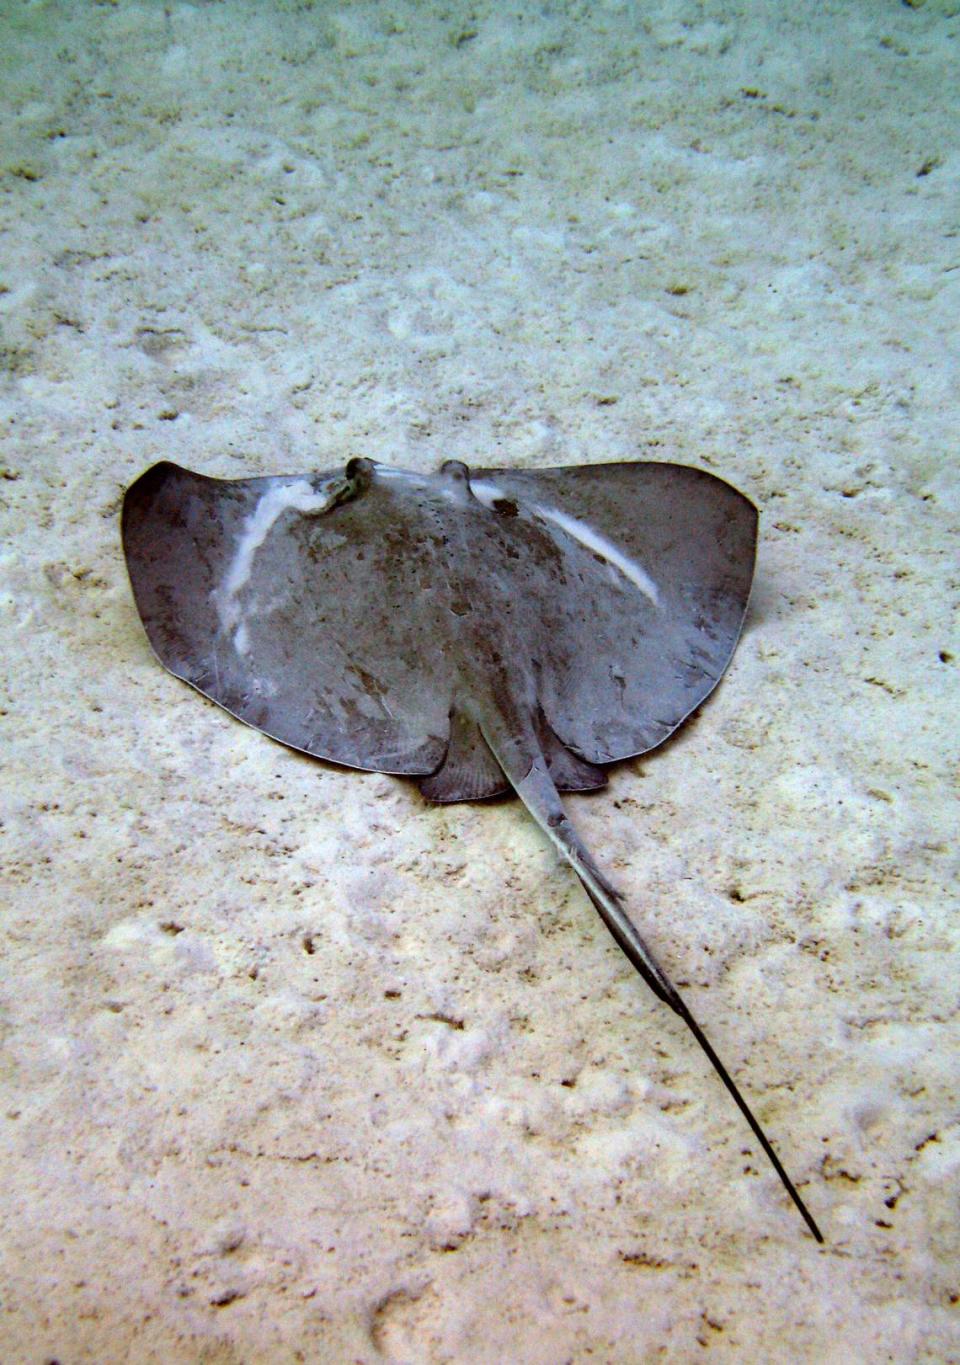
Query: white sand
x=296 y=1067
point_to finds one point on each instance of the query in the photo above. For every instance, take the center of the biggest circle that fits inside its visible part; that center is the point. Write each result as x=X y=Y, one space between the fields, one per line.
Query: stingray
x=480 y=630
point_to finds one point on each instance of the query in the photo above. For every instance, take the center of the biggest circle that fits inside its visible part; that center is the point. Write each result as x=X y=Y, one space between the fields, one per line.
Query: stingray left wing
x=665 y=556
x=304 y=615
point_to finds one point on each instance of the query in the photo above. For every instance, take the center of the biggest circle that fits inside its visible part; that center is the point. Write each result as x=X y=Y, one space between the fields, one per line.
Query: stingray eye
x=455 y=470
x=360 y=472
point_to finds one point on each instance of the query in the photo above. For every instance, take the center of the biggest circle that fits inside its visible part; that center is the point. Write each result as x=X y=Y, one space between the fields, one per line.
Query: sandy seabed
x=296 y=1067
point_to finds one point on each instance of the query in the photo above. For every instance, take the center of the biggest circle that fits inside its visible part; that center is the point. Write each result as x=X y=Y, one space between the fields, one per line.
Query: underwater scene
x=454 y=393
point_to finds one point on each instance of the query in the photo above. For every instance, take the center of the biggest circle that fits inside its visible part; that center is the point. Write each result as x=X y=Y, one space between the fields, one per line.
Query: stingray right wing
x=661 y=557
x=310 y=618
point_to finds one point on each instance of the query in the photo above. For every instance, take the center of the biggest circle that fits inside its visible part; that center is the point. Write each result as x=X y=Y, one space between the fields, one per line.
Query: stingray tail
x=537 y=790
x=539 y=794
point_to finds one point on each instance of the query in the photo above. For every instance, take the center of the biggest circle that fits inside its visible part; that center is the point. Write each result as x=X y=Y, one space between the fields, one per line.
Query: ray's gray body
x=476 y=629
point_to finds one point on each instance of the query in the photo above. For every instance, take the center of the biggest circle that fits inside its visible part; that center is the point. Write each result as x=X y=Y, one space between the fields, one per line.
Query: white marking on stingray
x=455 y=494
x=593 y=540
x=298 y=496
x=488 y=493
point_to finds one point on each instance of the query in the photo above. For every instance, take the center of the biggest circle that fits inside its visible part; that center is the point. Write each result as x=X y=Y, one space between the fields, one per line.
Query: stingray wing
x=312 y=620
x=660 y=561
